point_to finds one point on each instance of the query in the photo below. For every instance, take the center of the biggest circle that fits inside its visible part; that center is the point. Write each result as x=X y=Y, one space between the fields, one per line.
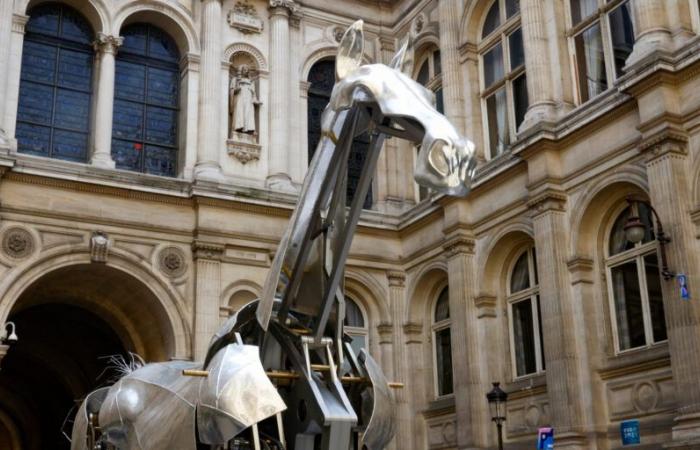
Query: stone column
x=450 y=13
x=537 y=64
x=5 y=39
x=207 y=258
x=278 y=151
x=208 y=166
x=470 y=384
x=397 y=306
x=668 y=164
x=561 y=347
x=651 y=27
x=106 y=49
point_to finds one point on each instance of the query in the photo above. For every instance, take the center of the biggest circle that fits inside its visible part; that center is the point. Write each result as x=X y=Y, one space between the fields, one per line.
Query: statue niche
x=244 y=111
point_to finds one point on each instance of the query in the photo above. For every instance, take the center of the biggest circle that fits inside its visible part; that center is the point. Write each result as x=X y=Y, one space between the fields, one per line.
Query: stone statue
x=242 y=102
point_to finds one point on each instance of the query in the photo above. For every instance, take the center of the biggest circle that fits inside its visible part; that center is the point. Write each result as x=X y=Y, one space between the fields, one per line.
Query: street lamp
x=7 y=339
x=635 y=230
x=497 y=399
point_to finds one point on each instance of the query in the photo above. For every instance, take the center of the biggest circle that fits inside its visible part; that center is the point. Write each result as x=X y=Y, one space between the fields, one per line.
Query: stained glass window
x=322 y=79
x=146 y=97
x=55 y=89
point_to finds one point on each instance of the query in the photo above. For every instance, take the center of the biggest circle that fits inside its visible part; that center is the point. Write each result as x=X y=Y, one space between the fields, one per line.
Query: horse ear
x=403 y=58
x=350 y=51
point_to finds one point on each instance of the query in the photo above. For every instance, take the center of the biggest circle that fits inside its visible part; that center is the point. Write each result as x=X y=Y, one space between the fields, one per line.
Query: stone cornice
x=486 y=305
x=546 y=201
x=669 y=141
x=581 y=269
x=396 y=279
x=412 y=328
x=19 y=21
x=385 y=329
x=459 y=245
x=207 y=250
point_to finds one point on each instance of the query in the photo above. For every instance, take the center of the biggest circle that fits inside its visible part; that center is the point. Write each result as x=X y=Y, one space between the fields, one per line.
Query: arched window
x=321 y=79
x=634 y=284
x=524 y=312
x=442 y=344
x=504 y=99
x=602 y=39
x=146 y=99
x=355 y=325
x=430 y=75
x=55 y=88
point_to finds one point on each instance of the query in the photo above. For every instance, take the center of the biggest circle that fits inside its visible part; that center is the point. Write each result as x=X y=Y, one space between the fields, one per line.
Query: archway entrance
x=69 y=322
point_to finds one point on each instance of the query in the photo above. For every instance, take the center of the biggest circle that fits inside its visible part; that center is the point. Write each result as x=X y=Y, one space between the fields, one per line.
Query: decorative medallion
x=17 y=243
x=419 y=24
x=99 y=247
x=338 y=34
x=171 y=261
x=245 y=18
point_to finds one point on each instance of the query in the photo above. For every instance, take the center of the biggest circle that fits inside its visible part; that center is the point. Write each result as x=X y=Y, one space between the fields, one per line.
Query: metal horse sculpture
x=281 y=373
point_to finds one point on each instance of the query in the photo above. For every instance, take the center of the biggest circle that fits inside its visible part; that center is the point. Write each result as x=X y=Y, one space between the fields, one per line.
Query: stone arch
x=499 y=253
x=473 y=20
x=253 y=52
x=596 y=205
x=239 y=293
x=94 y=11
x=320 y=53
x=424 y=290
x=428 y=42
x=129 y=318
x=168 y=16
x=365 y=290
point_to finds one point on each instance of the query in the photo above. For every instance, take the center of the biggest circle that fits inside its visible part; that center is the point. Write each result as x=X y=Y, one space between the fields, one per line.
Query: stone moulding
x=243 y=151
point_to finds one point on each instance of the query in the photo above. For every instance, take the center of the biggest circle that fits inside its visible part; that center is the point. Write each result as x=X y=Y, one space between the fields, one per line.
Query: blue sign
x=683 y=285
x=629 y=432
x=545 y=438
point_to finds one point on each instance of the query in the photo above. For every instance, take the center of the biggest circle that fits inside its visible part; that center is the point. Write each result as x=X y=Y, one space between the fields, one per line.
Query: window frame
x=636 y=254
x=500 y=35
x=353 y=331
x=602 y=17
x=435 y=327
x=532 y=293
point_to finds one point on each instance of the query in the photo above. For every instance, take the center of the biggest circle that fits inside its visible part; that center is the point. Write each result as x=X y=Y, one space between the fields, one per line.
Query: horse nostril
x=439 y=157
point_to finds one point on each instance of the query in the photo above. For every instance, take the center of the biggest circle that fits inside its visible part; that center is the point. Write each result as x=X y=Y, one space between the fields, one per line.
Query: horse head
x=446 y=161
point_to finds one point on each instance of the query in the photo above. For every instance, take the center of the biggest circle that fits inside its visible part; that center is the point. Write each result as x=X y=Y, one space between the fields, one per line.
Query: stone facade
x=162 y=261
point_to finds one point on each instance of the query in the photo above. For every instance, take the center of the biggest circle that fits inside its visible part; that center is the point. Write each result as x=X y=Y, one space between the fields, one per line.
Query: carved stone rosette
x=99 y=247
x=17 y=243
x=172 y=261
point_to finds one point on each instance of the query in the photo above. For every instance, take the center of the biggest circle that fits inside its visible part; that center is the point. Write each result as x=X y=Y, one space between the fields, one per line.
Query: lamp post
x=497 y=399
x=7 y=339
x=635 y=230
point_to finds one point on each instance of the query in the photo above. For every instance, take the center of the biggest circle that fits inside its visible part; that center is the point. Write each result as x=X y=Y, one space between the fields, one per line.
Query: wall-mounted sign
x=683 y=286
x=629 y=432
x=545 y=438
x=245 y=18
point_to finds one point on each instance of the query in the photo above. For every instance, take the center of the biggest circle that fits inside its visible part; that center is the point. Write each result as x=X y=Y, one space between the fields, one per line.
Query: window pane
x=497 y=115
x=656 y=302
x=439 y=101
x=534 y=266
x=539 y=322
x=128 y=120
x=74 y=69
x=44 y=19
x=580 y=9
x=515 y=46
x=35 y=103
x=524 y=338
x=127 y=154
x=353 y=314
x=512 y=8
x=520 y=99
x=437 y=62
x=162 y=87
x=39 y=62
x=442 y=307
x=69 y=145
x=161 y=126
x=622 y=35
x=493 y=65
x=33 y=139
x=618 y=242
x=160 y=161
x=423 y=73
x=590 y=62
x=443 y=355
x=628 y=305
x=72 y=110
x=520 y=278
x=493 y=20
x=358 y=343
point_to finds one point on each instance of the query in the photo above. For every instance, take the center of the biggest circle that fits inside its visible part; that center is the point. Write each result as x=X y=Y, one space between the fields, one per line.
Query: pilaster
x=208 y=166
x=652 y=30
x=668 y=163
x=563 y=335
x=397 y=305
x=106 y=49
x=470 y=383
x=207 y=256
x=450 y=12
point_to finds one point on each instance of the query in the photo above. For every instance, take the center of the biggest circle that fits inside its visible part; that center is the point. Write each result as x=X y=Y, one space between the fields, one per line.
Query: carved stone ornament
x=99 y=247
x=17 y=243
x=419 y=24
x=172 y=262
x=243 y=147
x=338 y=34
x=244 y=18
x=291 y=5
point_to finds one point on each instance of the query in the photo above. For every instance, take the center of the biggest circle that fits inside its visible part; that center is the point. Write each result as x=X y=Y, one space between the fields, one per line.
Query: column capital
x=284 y=7
x=667 y=142
x=396 y=278
x=19 y=21
x=546 y=201
x=458 y=245
x=207 y=250
x=105 y=43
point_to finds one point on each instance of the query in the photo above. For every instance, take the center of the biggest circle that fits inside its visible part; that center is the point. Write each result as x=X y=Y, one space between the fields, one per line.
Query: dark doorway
x=59 y=358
